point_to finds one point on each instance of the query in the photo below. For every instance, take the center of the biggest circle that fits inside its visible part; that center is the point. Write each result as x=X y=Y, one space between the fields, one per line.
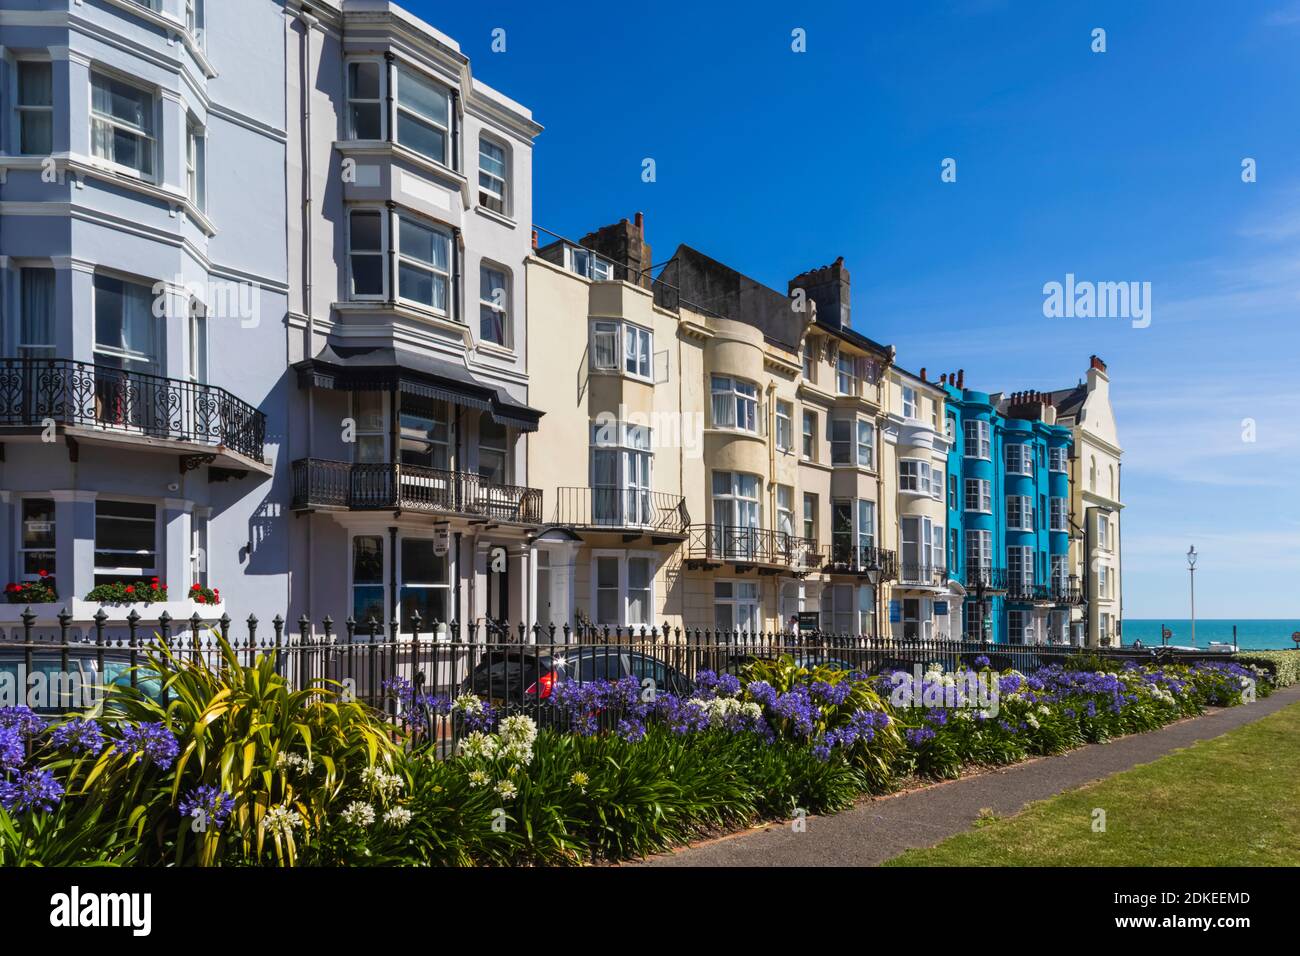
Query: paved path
x=879 y=829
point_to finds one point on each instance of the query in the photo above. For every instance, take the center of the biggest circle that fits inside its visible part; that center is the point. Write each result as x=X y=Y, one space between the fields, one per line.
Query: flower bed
x=615 y=773
x=120 y=592
x=1283 y=667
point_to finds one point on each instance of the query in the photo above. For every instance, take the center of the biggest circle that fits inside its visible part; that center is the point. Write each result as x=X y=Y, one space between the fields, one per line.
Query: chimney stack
x=828 y=287
x=1097 y=363
x=923 y=378
x=961 y=378
x=623 y=243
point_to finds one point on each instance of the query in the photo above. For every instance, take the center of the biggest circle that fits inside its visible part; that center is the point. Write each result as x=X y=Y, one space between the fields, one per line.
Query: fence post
x=195 y=623
x=252 y=639
x=100 y=618
x=65 y=619
x=133 y=642
x=277 y=625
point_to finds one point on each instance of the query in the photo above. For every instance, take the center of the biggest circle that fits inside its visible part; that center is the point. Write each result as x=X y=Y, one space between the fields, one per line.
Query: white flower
x=398 y=817
x=478 y=778
x=386 y=784
x=518 y=752
x=478 y=744
x=506 y=789
x=287 y=761
x=580 y=780
x=358 y=814
x=468 y=703
x=281 y=820
x=1033 y=721
x=519 y=729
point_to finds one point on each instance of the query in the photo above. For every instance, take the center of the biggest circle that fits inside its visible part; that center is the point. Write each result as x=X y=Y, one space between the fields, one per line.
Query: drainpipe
x=308 y=21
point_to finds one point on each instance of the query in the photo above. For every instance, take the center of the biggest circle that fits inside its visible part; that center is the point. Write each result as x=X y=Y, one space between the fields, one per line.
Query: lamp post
x=1191 y=573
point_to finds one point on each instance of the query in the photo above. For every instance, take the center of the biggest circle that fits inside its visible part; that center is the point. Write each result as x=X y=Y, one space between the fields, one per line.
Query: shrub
x=1283 y=667
x=121 y=592
x=40 y=591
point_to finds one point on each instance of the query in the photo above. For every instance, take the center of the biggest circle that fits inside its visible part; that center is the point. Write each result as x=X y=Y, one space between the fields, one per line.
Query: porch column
x=175 y=569
x=74 y=542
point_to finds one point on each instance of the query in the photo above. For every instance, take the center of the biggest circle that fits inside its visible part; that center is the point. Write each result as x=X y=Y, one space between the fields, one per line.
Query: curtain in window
x=604 y=482
x=37 y=339
x=605 y=346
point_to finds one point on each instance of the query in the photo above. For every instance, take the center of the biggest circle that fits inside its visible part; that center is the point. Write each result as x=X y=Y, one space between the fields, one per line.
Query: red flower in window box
x=32 y=592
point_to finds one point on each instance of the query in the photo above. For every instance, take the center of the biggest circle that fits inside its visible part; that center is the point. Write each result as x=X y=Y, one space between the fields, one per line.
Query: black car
x=524 y=675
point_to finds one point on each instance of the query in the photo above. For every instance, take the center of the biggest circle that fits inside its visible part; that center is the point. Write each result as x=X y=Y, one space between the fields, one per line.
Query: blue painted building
x=1009 y=522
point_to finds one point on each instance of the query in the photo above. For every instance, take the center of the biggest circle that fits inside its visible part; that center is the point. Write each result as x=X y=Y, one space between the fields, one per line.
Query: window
x=1103 y=529
x=640 y=591
x=36 y=328
x=195 y=165
x=1103 y=581
x=493 y=460
x=936 y=483
x=809 y=436
x=950 y=426
x=735 y=606
x=847 y=609
x=736 y=512
x=914 y=475
x=423 y=115
x=365 y=100
x=368 y=412
x=366 y=254
x=809 y=361
x=1060 y=573
x=35 y=107
x=124 y=325
x=621 y=460
x=604 y=346
x=1019 y=627
x=423 y=583
x=978 y=496
x=198 y=342
x=36 y=554
x=979 y=549
x=841 y=442
x=846 y=381
x=1019 y=460
x=494 y=305
x=1058 y=514
x=368 y=581
x=842 y=532
x=784 y=426
x=866 y=444
x=193 y=16
x=491 y=175
x=1020 y=513
x=121 y=125
x=866 y=529
x=921 y=547
x=977 y=438
x=199 y=549
x=909 y=403
x=423 y=264
x=1056 y=459
x=1020 y=567
x=785 y=509
x=810 y=516
x=918 y=624
x=636 y=351
x=1057 y=626
x=735 y=404
x=126 y=542
x=423 y=432
x=589 y=265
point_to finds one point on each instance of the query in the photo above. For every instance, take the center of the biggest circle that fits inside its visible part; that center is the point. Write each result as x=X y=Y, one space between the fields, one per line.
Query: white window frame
x=979 y=548
x=1023 y=459
x=869 y=445
x=377 y=102
x=909 y=403
x=808 y=436
x=402 y=259
x=843 y=441
x=489 y=301
x=810 y=503
x=21 y=574
x=606 y=339
x=976 y=432
x=914 y=476
x=633 y=451
x=1103 y=531
x=784 y=436
x=983 y=496
x=738 y=399
x=1057 y=459
x=380 y=254
x=753 y=606
x=406 y=71
x=846 y=378
x=199 y=352
x=594 y=267
x=1025 y=628
x=497 y=189
x=936 y=483
x=1020 y=565
x=150 y=137
x=135 y=571
x=623 y=560
x=1059 y=514
x=380 y=431
x=638 y=350
x=196 y=165
x=1022 y=506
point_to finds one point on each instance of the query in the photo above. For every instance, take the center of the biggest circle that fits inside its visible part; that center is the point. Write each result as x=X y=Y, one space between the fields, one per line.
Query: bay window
x=921 y=547
x=853 y=531
x=976 y=432
x=423 y=264
x=1056 y=459
x=847 y=609
x=588 y=265
x=493 y=458
x=1019 y=460
x=1060 y=573
x=423 y=115
x=604 y=346
x=424 y=431
x=369 y=415
x=1058 y=514
x=735 y=404
x=365 y=99
x=366 y=254
x=979 y=550
x=979 y=496
x=914 y=476
x=124 y=325
x=1020 y=513
x=636 y=351
x=122 y=125
x=1020 y=627
x=736 y=512
x=841 y=441
x=35 y=107
x=1020 y=567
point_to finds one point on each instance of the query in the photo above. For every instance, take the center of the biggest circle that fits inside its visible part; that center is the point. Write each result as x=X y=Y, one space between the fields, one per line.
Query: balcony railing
x=1067 y=591
x=852 y=559
x=34 y=391
x=923 y=575
x=622 y=509
x=739 y=545
x=987 y=579
x=359 y=486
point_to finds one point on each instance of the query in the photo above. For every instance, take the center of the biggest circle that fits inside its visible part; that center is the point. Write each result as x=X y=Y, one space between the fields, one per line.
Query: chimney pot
x=534 y=240
x=640 y=222
x=961 y=378
x=923 y=373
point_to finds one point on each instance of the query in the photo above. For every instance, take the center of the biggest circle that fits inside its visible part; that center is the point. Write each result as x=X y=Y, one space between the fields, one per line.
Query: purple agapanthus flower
x=23 y=719
x=78 y=736
x=919 y=735
x=207 y=803
x=981 y=660
x=152 y=740
x=34 y=790
x=11 y=748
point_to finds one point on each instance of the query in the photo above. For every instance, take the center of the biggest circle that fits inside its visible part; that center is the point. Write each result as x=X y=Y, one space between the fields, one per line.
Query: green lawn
x=1230 y=801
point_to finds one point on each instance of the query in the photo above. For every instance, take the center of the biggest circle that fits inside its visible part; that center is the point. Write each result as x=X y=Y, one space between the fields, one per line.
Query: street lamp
x=1191 y=573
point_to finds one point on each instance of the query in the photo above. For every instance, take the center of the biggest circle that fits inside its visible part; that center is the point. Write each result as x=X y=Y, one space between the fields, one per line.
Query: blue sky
x=1115 y=166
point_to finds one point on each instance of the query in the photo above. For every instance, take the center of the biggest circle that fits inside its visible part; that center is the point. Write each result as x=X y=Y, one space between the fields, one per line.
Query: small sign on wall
x=941 y=608
x=895 y=612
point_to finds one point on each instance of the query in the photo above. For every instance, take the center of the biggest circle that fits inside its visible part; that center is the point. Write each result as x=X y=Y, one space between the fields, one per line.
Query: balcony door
x=620 y=476
x=736 y=515
x=126 y=350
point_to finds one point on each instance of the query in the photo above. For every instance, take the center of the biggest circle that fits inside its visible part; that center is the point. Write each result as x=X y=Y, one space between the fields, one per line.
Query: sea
x=1256 y=635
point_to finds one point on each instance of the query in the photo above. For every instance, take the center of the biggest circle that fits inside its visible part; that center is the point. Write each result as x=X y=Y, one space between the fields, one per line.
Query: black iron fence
x=622 y=508
x=515 y=668
x=34 y=391
x=320 y=483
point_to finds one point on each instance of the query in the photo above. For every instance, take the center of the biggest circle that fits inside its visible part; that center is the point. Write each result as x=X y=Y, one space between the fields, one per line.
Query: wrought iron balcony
x=1066 y=592
x=622 y=509
x=362 y=486
x=733 y=544
x=851 y=559
x=83 y=395
x=985 y=579
x=1023 y=588
x=923 y=575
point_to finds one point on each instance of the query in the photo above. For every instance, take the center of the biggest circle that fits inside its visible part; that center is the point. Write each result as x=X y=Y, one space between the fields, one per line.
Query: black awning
x=363 y=368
